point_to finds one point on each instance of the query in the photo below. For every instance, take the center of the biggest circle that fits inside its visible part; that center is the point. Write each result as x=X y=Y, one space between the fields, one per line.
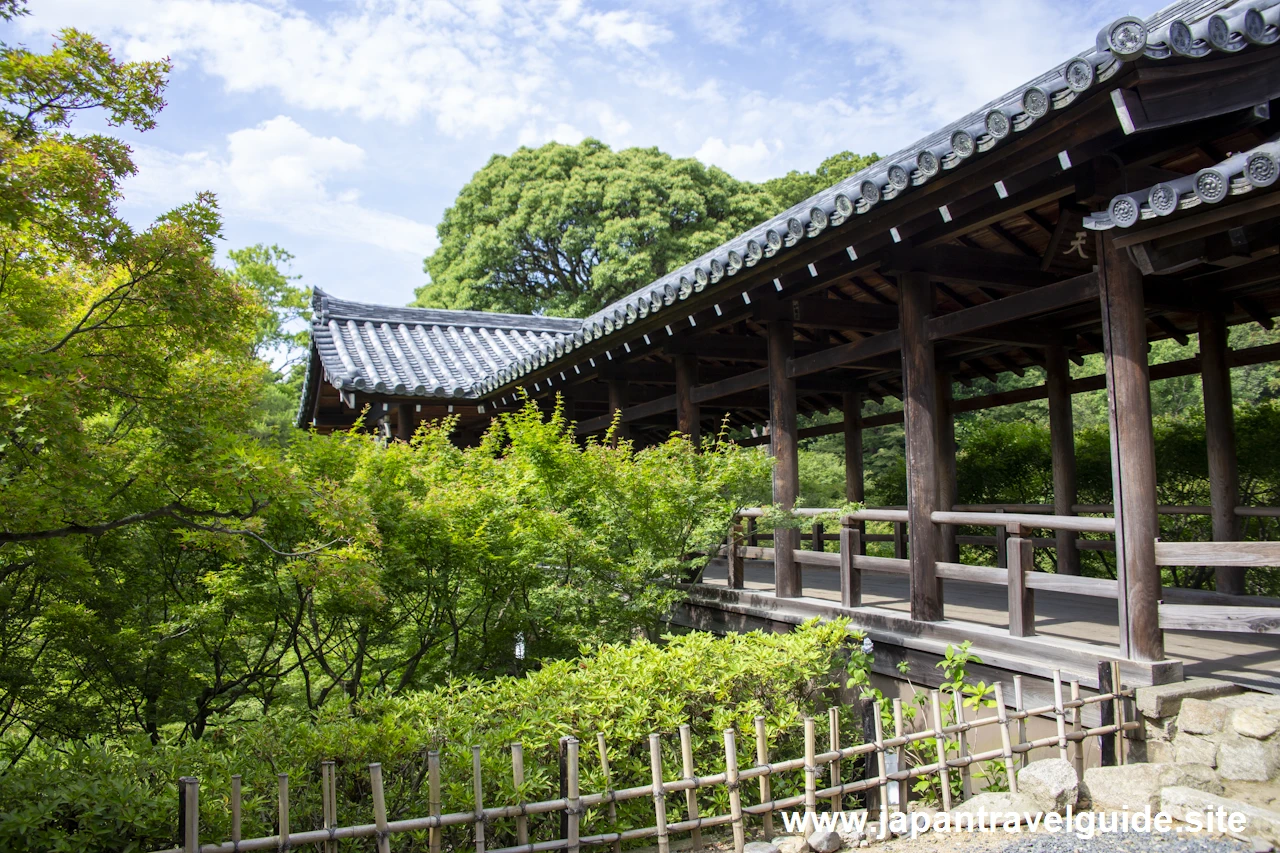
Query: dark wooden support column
x=855 y=483
x=1220 y=435
x=1133 y=455
x=688 y=416
x=618 y=401
x=786 y=464
x=920 y=404
x=404 y=421
x=1063 y=444
x=949 y=549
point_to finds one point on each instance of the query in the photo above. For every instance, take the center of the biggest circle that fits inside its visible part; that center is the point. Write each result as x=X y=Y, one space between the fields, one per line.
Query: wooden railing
x=1185 y=609
x=951 y=745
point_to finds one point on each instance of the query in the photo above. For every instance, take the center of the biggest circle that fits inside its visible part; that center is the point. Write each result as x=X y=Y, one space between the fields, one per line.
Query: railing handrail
x=1003 y=519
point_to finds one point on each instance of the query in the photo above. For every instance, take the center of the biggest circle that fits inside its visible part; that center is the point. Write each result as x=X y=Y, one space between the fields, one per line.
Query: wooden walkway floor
x=1252 y=660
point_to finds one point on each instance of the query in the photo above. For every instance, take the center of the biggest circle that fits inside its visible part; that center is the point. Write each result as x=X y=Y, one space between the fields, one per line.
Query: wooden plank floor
x=1249 y=659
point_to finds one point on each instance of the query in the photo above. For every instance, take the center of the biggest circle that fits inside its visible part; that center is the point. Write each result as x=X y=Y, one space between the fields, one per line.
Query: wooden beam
x=920 y=403
x=1042 y=300
x=854 y=475
x=786 y=462
x=849 y=353
x=1133 y=456
x=1063 y=450
x=1220 y=438
x=947 y=263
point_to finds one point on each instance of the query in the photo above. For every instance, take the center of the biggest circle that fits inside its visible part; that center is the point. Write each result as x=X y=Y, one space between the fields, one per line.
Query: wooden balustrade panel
x=1200 y=617
x=1218 y=553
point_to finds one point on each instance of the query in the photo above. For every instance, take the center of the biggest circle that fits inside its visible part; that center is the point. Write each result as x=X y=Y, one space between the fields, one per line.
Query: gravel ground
x=1043 y=842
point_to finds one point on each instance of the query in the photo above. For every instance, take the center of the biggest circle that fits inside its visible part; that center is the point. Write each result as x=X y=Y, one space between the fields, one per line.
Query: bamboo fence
x=1069 y=740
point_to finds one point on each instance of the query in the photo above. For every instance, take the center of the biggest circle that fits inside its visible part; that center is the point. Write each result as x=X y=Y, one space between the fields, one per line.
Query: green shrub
x=122 y=795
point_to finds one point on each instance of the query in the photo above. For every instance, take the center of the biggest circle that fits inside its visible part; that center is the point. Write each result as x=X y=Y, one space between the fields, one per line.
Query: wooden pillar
x=617 y=401
x=920 y=404
x=404 y=421
x=1220 y=436
x=948 y=549
x=783 y=444
x=1133 y=455
x=854 y=472
x=1063 y=446
x=688 y=416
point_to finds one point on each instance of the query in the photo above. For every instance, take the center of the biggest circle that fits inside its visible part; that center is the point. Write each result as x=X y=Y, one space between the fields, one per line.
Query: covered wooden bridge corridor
x=1125 y=196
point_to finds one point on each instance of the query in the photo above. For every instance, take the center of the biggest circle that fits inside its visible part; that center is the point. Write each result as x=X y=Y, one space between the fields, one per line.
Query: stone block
x=1051 y=783
x=1164 y=700
x=791 y=844
x=1199 y=717
x=825 y=841
x=1255 y=723
x=1247 y=760
x=760 y=847
x=1180 y=801
x=1194 y=749
x=1137 y=786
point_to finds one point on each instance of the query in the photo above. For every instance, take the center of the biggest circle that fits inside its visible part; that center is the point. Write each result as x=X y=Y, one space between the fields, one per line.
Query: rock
x=1194 y=749
x=996 y=809
x=1180 y=801
x=760 y=847
x=1164 y=700
x=790 y=844
x=1263 y=701
x=1136 y=786
x=825 y=841
x=1254 y=723
x=1248 y=760
x=1199 y=717
x=1262 y=845
x=1051 y=783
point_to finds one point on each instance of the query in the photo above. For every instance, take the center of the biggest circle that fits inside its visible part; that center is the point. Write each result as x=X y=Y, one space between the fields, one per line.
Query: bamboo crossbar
x=573 y=805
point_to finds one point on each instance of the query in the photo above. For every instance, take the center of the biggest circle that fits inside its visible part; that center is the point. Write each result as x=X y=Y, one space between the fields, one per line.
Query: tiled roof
x=422 y=352
x=1246 y=171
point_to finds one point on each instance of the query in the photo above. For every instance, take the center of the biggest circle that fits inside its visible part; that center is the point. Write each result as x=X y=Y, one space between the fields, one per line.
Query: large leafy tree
x=794 y=187
x=565 y=229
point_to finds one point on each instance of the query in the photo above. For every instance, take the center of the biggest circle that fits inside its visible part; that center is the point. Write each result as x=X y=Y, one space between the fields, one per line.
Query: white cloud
x=278 y=172
x=742 y=160
x=612 y=29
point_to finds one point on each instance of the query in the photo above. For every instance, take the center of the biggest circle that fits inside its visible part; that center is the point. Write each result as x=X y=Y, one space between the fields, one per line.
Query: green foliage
x=566 y=229
x=280 y=333
x=121 y=795
x=794 y=187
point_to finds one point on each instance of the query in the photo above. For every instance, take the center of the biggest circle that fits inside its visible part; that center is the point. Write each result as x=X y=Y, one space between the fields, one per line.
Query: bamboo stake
x=236 y=810
x=883 y=774
x=810 y=768
x=517 y=776
x=966 y=774
x=1059 y=715
x=833 y=742
x=766 y=785
x=326 y=802
x=1118 y=711
x=433 y=798
x=1077 y=751
x=944 y=773
x=904 y=785
x=575 y=804
x=1022 y=722
x=477 y=788
x=1002 y=713
x=283 y=780
x=690 y=795
x=380 y=808
x=659 y=798
x=191 y=814
x=735 y=794
x=608 y=786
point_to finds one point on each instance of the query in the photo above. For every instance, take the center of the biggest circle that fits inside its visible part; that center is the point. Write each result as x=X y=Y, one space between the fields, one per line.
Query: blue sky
x=342 y=129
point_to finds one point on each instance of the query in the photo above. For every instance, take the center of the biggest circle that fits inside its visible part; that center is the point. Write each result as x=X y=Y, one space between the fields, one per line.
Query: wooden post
x=690 y=794
x=1220 y=436
x=850 y=575
x=1059 y=714
x=948 y=548
x=477 y=793
x=833 y=743
x=380 y=811
x=818 y=533
x=1002 y=546
x=574 y=810
x=1063 y=444
x=608 y=786
x=752 y=539
x=326 y=802
x=1019 y=705
x=783 y=443
x=617 y=401
x=737 y=566
x=900 y=540
x=1022 y=607
x=283 y=836
x=735 y=795
x=766 y=787
x=237 y=810
x=944 y=772
x=1133 y=455
x=1006 y=747
x=854 y=470
x=1106 y=709
x=1077 y=753
x=517 y=776
x=688 y=416
x=659 y=793
x=433 y=798
x=920 y=405
x=189 y=813
x=563 y=756
x=404 y=421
